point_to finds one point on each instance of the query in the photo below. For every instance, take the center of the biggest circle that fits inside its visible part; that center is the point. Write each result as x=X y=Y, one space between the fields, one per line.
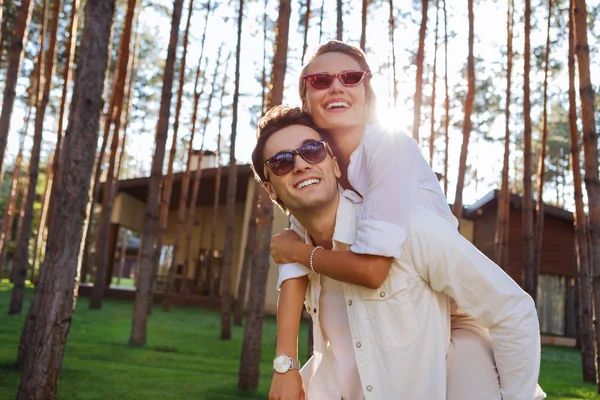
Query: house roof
x=138 y=187
x=489 y=203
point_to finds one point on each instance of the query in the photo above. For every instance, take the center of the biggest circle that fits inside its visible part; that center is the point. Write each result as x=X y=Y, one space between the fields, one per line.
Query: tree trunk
x=167 y=185
x=363 y=25
x=419 y=78
x=590 y=152
x=340 y=22
x=446 y=101
x=15 y=54
x=140 y=310
x=539 y=220
x=528 y=245
x=39 y=236
x=7 y=222
x=462 y=166
x=21 y=257
x=47 y=325
x=102 y=246
x=196 y=185
x=435 y=49
x=232 y=181
x=321 y=14
x=185 y=180
x=20 y=220
x=306 y=19
x=264 y=65
x=122 y=257
x=251 y=347
x=240 y=304
x=392 y=31
x=582 y=273
x=503 y=214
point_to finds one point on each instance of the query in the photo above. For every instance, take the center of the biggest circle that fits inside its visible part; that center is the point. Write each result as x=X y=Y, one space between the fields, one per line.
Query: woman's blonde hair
x=336 y=46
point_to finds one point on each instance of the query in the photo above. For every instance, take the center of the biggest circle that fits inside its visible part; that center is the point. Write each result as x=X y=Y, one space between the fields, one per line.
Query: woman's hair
x=335 y=46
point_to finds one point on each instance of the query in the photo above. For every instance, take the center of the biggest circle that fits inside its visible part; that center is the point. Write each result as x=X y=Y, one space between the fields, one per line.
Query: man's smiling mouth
x=308 y=182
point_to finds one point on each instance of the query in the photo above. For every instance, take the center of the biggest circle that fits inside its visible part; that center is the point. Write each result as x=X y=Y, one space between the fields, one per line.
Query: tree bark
x=240 y=304
x=251 y=347
x=419 y=78
x=122 y=257
x=446 y=101
x=392 y=31
x=306 y=21
x=539 y=220
x=528 y=240
x=21 y=257
x=503 y=214
x=582 y=273
x=15 y=55
x=231 y=186
x=102 y=246
x=321 y=14
x=590 y=152
x=462 y=166
x=141 y=305
x=363 y=25
x=340 y=21
x=49 y=319
x=433 y=87
x=39 y=235
x=167 y=185
x=185 y=180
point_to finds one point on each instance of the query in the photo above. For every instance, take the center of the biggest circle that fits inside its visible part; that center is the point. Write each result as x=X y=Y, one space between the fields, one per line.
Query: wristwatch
x=282 y=363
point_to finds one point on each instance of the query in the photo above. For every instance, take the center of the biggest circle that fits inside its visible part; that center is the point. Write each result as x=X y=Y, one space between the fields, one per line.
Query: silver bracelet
x=312 y=255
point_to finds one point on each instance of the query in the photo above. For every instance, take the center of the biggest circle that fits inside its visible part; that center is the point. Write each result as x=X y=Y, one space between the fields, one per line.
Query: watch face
x=282 y=363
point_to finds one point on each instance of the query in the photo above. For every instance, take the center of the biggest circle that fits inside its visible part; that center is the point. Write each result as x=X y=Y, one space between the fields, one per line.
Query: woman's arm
x=342 y=265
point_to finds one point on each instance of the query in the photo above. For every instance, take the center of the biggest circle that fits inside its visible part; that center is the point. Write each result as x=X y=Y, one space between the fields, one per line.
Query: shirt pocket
x=391 y=312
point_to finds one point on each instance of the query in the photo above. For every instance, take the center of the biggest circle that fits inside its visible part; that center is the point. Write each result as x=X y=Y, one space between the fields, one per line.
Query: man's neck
x=320 y=224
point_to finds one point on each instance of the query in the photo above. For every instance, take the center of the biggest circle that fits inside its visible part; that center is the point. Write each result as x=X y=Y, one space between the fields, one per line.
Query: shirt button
x=349 y=302
x=382 y=294
x=369 y=388
x=358 y=344
x=308 y=308
x=315 y=310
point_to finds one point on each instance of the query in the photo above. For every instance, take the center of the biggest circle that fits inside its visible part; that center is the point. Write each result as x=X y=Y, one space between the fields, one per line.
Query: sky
x=490 y=28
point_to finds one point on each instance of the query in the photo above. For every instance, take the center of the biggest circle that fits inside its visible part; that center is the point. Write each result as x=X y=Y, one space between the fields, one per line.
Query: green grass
x=129 y=282
x=185 y=359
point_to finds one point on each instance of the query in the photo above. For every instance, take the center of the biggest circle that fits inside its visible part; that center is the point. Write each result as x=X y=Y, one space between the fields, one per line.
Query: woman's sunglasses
x=323 y=80
x=312 y=152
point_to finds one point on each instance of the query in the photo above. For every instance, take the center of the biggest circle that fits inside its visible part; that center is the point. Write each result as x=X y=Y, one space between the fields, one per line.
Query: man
x=382 y=326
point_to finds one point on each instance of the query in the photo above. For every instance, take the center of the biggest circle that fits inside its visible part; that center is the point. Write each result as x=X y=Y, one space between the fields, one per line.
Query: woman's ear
x=270 y=191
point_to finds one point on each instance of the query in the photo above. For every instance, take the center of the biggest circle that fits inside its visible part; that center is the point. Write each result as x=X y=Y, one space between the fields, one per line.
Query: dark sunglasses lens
x=320 y=81
x=313 y=152
x=282 y=163
x=352 y=78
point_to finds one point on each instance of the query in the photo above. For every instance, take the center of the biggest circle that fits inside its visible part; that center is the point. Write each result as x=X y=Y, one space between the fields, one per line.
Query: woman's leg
x=472 y=373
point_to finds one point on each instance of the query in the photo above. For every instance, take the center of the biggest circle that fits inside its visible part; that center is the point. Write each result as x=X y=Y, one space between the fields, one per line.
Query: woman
x=388 y=171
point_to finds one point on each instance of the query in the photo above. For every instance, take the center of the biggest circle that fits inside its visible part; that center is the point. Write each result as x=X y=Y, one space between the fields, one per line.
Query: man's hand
x=287 y=386
x=282 y=246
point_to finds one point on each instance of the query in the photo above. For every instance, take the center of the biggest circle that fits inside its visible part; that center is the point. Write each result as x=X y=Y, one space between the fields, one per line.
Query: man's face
x=307 y=186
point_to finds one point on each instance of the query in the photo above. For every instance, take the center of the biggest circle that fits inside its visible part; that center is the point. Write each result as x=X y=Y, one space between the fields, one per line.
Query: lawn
x=185 y=359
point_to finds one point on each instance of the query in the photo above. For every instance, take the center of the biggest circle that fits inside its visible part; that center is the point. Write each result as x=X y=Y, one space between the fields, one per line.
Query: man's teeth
x=337 y=104
x=307 y=183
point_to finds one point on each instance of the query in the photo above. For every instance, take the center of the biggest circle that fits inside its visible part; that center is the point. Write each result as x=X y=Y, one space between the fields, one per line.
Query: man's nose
x=301 y=164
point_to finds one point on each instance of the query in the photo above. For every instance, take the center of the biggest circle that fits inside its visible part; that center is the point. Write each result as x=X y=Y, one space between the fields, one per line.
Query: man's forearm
x=289 y=311
x=345 y=266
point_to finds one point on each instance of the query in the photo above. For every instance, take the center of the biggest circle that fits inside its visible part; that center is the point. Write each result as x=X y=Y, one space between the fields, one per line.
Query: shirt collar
x=345 y=220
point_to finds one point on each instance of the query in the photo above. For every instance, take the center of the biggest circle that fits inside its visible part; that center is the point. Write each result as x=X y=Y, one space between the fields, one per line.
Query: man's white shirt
x=399 y=333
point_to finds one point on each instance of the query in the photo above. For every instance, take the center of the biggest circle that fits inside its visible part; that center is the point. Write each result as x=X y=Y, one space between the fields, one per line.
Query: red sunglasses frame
x=307 y=78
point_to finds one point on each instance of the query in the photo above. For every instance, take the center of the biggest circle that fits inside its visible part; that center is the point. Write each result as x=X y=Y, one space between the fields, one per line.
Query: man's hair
x=336 y=46
x=276 y=119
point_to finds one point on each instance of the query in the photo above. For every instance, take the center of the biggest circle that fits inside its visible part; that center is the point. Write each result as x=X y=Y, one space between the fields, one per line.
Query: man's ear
x=270 y=191
x=336 y=168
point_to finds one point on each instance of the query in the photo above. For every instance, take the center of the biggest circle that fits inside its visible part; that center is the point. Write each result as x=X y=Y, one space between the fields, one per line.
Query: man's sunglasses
x=323 y=80
x=283 y=162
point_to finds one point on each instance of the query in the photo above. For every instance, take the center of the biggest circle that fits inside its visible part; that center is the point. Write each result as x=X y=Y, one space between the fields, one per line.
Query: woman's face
x=338 y=106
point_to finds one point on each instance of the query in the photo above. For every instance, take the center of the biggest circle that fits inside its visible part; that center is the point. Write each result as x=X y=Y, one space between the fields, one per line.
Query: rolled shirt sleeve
x=390 y=172
x=293 y=270
x=487 y=294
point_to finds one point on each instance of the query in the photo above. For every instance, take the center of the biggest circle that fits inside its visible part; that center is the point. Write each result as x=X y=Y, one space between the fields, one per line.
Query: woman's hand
x=282 y=246
x=287 y=386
